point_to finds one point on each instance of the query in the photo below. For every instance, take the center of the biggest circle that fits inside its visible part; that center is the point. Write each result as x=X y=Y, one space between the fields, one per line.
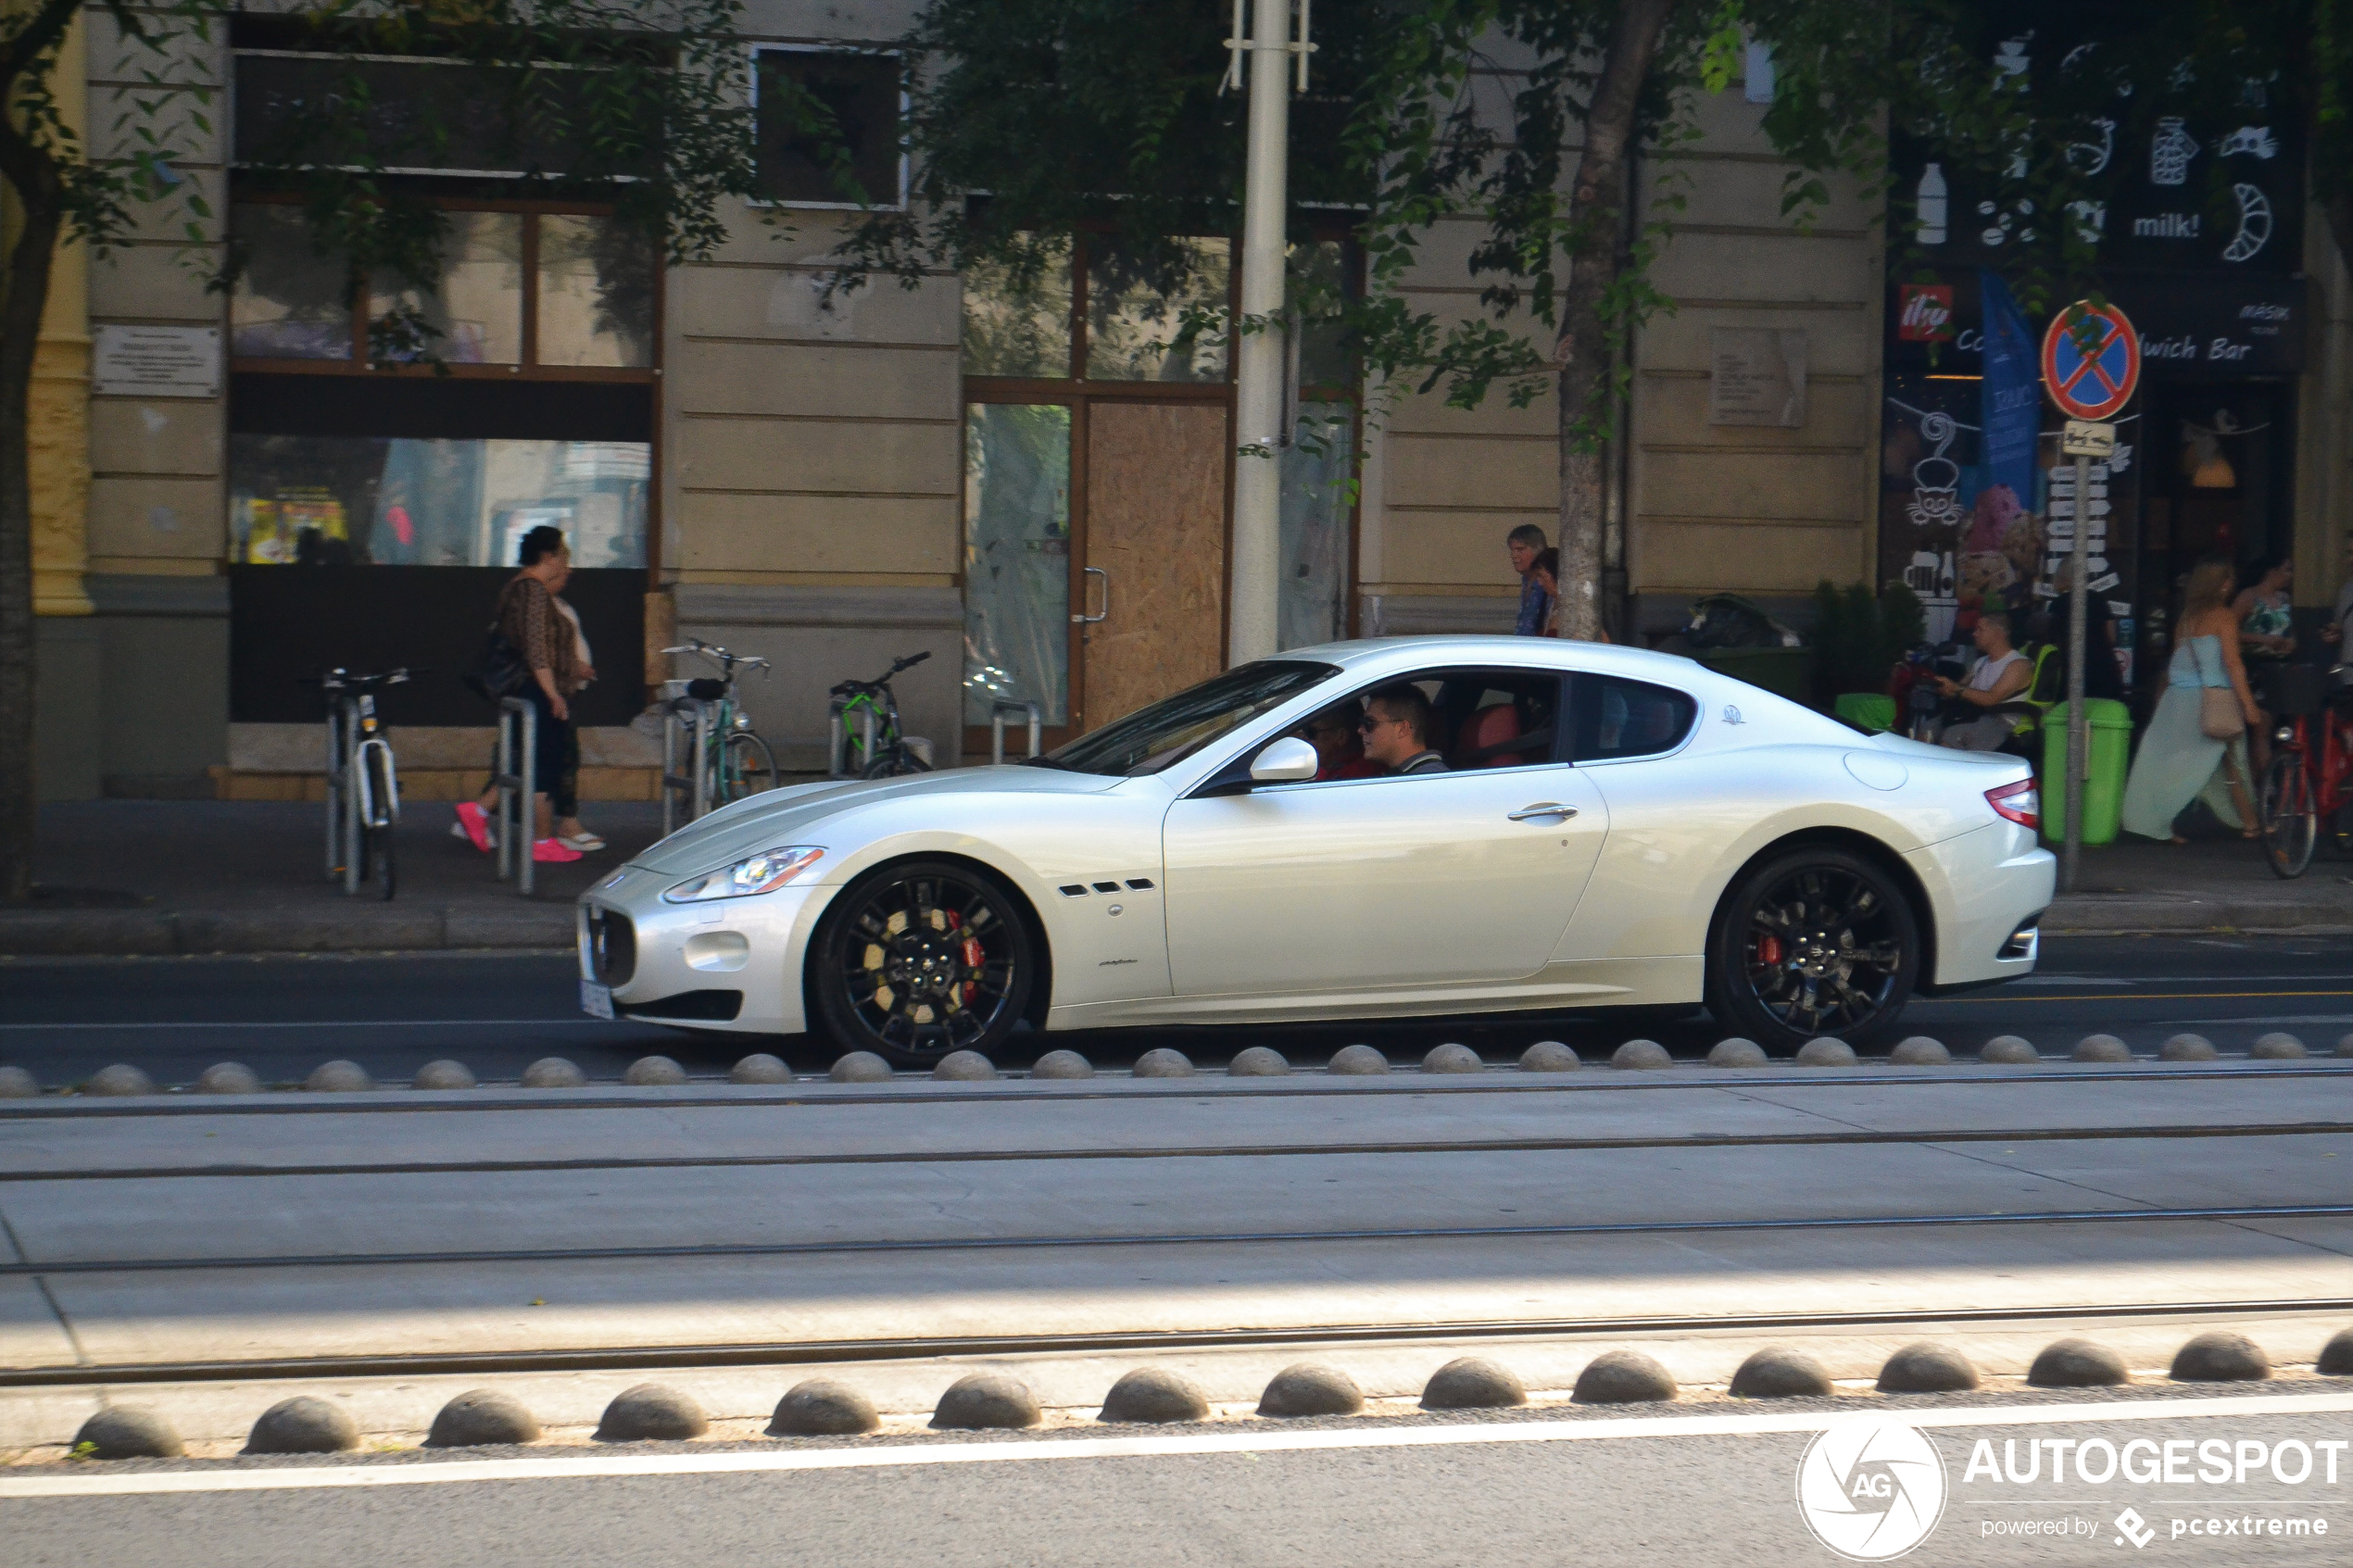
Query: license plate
x=596 y=1000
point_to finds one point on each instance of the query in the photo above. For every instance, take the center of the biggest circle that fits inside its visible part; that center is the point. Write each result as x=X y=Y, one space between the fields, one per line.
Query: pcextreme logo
x=1871 y=1488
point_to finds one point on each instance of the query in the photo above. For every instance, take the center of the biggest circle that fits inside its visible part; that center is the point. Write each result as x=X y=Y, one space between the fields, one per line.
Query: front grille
x=613 y=945
x=697 y=1007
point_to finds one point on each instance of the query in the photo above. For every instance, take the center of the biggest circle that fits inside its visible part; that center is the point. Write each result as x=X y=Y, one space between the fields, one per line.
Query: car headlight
x=763 y=873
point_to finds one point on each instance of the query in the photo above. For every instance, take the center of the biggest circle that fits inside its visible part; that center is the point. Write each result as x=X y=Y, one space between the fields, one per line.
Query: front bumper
x=680 y=963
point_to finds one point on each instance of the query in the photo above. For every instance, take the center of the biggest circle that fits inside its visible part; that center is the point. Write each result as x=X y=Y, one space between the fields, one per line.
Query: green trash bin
x=2112 y=753
x=1866 y=710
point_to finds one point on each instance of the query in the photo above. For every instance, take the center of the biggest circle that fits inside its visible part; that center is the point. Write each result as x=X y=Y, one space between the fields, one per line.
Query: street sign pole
x=2079 y=729
x=1259 y=357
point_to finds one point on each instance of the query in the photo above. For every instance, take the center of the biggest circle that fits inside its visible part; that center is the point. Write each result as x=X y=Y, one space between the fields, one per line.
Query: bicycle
x=882 y=752
x=363 y=781
x=2305 y=783
x=737 y=762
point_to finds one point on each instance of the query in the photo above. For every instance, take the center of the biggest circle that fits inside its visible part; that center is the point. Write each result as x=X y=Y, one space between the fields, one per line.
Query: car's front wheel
x=1815 y=942
x=919 y=959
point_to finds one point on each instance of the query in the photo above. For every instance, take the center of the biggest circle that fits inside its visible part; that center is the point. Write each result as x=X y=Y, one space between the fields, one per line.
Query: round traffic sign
x=2093 y=384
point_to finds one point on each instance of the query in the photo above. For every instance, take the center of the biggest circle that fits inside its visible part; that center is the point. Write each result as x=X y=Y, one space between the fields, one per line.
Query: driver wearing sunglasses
x=1396 y=730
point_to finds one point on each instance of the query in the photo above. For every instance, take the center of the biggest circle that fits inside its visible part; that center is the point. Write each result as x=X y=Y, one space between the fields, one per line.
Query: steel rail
x=1178 y=1238
x=1181 y=1151
x=823 y=1351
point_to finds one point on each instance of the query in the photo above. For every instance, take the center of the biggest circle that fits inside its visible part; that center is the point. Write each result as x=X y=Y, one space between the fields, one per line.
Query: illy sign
x=1924 y=313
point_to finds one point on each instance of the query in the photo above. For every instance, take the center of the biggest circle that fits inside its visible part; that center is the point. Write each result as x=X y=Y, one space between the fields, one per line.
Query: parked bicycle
x=363 y=780
x=884 y=752
x=739 y=763
x=2306 y=796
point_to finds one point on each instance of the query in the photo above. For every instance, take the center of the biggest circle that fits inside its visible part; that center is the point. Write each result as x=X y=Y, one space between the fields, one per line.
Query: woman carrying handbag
x=2197 y=739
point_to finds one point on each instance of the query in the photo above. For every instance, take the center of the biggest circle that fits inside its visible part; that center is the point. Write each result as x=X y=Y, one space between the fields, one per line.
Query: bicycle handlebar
x=721 y=656
x=336 y=680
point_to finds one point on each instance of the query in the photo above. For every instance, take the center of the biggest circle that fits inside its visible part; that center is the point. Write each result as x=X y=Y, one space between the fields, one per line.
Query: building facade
x=1034 y=488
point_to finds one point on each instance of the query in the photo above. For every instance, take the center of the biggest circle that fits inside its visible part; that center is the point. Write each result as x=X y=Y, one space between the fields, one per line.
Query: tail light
x=2021 y=802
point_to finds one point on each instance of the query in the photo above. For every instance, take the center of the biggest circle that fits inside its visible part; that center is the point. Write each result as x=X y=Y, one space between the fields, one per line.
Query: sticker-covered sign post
x=2091 y=368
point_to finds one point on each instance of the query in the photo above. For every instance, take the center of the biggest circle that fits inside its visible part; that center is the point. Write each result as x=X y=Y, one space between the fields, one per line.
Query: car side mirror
x=1287 y=761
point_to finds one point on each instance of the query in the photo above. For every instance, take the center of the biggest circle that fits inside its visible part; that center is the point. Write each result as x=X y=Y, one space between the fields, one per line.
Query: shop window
x=856 y=160
x=596 y=293
x=1016 y=558
x=289 y=302
x=1017 y=320
x=1138 y=331
x=474 y=315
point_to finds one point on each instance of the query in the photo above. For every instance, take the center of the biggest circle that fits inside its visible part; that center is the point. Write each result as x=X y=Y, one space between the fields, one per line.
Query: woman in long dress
x=2179 y=761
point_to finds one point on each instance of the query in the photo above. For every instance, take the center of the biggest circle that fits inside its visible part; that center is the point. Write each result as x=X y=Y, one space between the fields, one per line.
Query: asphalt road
x=64 y=1018
x=1727 y=1498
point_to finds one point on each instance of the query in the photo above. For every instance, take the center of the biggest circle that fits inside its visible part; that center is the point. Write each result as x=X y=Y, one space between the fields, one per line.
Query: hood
x=797 y=815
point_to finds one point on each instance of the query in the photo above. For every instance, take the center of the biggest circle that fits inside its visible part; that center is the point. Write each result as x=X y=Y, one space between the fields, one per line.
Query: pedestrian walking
x=549 y=644
x=2196 y=747
x=1523 y=545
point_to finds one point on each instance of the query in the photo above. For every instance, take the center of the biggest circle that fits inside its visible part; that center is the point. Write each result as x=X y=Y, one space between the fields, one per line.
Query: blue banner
x=2010 y=398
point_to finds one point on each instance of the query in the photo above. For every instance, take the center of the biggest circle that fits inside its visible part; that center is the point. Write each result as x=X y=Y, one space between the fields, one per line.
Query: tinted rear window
x=1614 y=717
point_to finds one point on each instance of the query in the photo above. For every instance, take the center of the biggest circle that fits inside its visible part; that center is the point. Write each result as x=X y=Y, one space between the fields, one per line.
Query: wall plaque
x=155 y=362
x=1756 y=376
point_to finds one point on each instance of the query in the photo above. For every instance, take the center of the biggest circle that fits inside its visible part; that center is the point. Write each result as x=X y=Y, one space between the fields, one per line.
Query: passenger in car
x=1333 y=734
x=1396 y=730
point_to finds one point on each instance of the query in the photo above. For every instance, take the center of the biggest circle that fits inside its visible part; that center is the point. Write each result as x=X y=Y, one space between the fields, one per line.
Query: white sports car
x=1609 y=828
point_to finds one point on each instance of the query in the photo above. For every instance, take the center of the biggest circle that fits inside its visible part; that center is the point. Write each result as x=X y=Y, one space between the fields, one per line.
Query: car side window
x=1612 y=718
x=1474 y=718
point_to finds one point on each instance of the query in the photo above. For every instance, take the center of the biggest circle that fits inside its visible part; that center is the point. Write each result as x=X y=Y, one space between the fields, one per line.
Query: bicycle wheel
x=375 y=837
x=745 y=767
x=2290 y=820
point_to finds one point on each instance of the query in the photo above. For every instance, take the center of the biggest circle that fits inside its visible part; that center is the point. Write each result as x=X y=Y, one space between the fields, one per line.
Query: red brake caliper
x=973 y=957
x=1769 y=949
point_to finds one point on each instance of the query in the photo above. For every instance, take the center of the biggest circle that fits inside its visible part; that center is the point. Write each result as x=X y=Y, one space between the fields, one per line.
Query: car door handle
x=1543 y=809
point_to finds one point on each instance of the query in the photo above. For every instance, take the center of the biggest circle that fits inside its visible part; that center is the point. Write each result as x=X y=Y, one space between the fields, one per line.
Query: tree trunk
x=1597 y=204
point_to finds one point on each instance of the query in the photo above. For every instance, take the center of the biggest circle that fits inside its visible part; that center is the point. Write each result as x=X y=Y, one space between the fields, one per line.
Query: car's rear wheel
x=1816 y=942
x=921 y=958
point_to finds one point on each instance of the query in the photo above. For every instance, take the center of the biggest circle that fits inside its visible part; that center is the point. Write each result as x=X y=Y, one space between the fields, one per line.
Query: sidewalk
x=185 y=877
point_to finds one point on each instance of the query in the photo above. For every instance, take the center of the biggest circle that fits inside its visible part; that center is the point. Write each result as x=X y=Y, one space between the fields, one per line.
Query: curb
x=2112 y=914
x=383 y=928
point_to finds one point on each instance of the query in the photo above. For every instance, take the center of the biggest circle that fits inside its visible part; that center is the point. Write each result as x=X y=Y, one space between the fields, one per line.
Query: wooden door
x=1155 y=528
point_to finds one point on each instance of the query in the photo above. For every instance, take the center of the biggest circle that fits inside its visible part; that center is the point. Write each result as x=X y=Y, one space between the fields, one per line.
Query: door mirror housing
x=1287 y=761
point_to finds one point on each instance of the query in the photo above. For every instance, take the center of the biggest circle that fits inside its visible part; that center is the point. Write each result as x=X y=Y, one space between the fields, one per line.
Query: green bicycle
x=868 y=710
x=737 y=762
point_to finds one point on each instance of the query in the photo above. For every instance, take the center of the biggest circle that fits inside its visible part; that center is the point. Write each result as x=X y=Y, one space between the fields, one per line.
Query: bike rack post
x=517 y=782
x=835 y=737
x=996 y=727
x=335 y=860
x=695 y=783
x=349 y=789
x=702 y=760
x=867 y=719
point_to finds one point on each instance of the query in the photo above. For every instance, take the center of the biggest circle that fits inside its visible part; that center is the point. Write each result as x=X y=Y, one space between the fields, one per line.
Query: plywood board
x=1156 y=524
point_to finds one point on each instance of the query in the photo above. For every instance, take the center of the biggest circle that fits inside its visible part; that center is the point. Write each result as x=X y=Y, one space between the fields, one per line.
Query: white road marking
x=1258 y=1441
x=334 y=1024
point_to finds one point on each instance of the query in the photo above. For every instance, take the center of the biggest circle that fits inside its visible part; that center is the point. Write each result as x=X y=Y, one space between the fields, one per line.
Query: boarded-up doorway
x=1155 y=541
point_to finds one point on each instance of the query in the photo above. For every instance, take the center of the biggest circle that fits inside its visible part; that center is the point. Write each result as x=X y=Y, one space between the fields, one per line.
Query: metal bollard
x=996 y=727
x=694 y=784
x=517 y=782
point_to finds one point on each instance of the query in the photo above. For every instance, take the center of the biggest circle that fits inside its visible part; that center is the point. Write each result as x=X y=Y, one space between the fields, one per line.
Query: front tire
x=2290 y=819
x=1815 y=942
x=746 y=768
x=919 y=959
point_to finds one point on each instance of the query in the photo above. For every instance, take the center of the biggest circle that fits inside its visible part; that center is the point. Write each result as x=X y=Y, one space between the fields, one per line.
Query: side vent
x=1141 y=883
x=1074 y=890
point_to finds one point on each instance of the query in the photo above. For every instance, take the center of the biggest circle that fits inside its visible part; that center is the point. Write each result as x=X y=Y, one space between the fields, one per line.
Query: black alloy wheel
x=920 y=959
x=1816 y=942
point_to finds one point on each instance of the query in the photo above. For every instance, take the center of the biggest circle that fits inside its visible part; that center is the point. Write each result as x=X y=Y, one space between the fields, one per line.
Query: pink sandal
x=553 y=849
x=476 y=821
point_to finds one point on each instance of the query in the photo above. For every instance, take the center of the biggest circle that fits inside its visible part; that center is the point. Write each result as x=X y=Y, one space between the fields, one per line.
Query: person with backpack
x=545 y=644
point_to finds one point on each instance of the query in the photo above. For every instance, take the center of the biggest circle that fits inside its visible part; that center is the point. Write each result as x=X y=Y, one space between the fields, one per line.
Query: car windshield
x=1172 y=729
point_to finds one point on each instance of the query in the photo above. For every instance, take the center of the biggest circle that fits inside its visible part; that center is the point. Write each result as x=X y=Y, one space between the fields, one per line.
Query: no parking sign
x=2091 y=361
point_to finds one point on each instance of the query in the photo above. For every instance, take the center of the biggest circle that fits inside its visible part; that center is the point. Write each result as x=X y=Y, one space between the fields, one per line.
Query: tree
x=640 y=103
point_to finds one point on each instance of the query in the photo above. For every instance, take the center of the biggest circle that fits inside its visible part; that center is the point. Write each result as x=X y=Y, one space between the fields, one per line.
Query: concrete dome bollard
x=128 y=1432
x=759 y=1067
x=2008 y=1051
x=338 y=1077
x=1927 y=1368
x=822 y=1408
x=120 y=1079
x=1258 y=1061
x=1310 y=1388
x=651 y=1414
x=1358 y=1061
x=1163 y=1062
x=1920 y=1050
x=1776 y=1373
x=1623 y=1377
x=1473 y=1383
x=445 y=1076
x=963 y=1067
x=227 y=1078
x=1738 y=1052
x=2277 y=1047
x=553 y=1073
x=1452 y=1058
x=2336 y=1356
x=2220 y=1356
x=1825 y=1052
x=2188 y=1047
x=1641 y=1056
x=2077 y=1363
x=2345 y=1045
x=2100 y=1048
x=1156 y=1396
x=654 y=1073
x=1550 y=1056
x=303 y=1426
x=1062 y=1064
x=859 y=1067
x=483 y=1418
x=16 y=1084
x=986 y=1401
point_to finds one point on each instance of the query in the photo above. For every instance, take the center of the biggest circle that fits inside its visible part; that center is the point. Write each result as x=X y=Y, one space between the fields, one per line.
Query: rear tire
x=746 y=768
x=1811 y=943
x=921 y=958
x=2290 y=819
